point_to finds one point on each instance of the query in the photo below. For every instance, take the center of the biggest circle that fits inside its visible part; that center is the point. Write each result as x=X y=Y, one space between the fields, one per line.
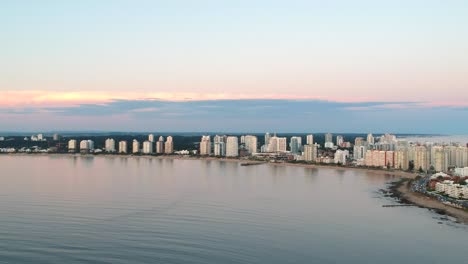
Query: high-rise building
x=359 y=152
x=160 y=145
x=110 y=145
x=123 y=148
x=339 y=141
x=56 y=137
x=40 y=137
x=251 y=144
x=151 y=138
x=421 y=158
x=147 y=147
x=401 y=158
x=341 y=156
x=267 y=138
x=169 y=145
x=329 y=140
x=295 y=145
x=205 y=145
x=438 y=160
x=359 y=141
x=370 y=139
x=86 y=146
x=277 y=144
x=310 y=152
x=232 y=147
x=72 y=145
x=310 y=139
x=220 y=149
x=135 y=146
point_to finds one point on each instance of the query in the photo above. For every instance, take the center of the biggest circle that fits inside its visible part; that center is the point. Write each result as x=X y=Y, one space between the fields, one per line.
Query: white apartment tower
x=147 y=147
x=135 y=146
x=295 y=145
x=169 y=145
x=160 y=145
x=310 y=139
x=205 y=145
x=123 y=148
x=251 y=144
x=110 y=145
x=310 y=152
x=232 y=147
x=72 y=145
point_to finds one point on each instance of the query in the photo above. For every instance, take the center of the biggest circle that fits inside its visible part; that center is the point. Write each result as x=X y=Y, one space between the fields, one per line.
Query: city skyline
x=398 y=66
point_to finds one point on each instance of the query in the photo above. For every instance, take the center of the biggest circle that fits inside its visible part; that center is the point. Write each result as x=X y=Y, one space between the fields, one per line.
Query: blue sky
x=60 y=57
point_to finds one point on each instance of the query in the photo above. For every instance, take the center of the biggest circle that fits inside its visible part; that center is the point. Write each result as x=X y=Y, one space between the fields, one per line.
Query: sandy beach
x=405 y=194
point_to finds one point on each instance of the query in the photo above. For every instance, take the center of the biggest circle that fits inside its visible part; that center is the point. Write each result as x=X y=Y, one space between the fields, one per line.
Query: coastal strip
x=401 y=190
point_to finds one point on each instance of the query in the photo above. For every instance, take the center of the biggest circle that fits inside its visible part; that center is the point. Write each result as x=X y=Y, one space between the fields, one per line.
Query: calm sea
x=60 y=209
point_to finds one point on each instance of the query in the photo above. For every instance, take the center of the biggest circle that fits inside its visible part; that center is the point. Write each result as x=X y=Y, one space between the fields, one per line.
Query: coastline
x=403 y=192
x=402 y=174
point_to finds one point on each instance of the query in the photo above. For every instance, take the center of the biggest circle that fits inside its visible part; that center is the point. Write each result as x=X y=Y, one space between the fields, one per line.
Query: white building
x=295 y=145
x=160 y=145
x=232 y=147
x=151 y=138
x=370 y=139
x=339 y=140
x=462 y=172
x=310 y=139
x=205 y=145
x=123 y=147
x=277 y=144
x=86 y=146
x=341 y=156
x=251 y=144
x=147 y=147
x=169 y=145
x=310 y=152
x=72 y=145
x=135 y=146
x=110 y=145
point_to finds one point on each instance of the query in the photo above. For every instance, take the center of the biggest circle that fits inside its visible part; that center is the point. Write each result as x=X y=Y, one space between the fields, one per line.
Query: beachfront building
x=135 y=146
x=205 y=145
x=341 y=157
x=169 y=145
x=310 y=152
x=110 y=145
x=160 y=145
x=295 y=145
x=147 y=147
x=232 y=147
x=123 y=148
x=250 y=143
x=462 y=172
x=310 y=139
x=452 y=189
x=151 y=138
x=72 y=145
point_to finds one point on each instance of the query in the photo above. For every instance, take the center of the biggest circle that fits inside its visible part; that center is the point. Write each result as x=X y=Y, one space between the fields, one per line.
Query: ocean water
x=62 y=209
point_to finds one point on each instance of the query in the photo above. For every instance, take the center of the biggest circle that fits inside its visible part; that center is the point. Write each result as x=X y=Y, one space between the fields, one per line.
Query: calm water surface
x=59 y=209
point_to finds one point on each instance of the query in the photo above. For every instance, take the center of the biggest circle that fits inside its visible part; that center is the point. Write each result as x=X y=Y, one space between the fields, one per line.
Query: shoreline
x=402 y=174
x=402 y=191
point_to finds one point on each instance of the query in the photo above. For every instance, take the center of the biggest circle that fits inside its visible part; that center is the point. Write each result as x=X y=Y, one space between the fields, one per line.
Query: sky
x=293 y=66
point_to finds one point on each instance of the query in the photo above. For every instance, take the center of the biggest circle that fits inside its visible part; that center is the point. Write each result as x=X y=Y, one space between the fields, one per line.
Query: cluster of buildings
x=149 y=146
x=389 y=152
x=452 y=189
